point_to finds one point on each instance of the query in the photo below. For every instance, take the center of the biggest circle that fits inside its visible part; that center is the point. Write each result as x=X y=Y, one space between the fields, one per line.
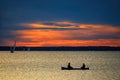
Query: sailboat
x=13 y=48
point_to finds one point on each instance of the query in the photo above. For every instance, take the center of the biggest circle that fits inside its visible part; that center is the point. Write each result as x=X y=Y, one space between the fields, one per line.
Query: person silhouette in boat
x=83 y=66
x=69 y=66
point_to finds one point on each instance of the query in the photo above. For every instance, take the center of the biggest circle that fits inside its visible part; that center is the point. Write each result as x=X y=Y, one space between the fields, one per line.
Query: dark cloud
x=53 y=23
x=58 y=29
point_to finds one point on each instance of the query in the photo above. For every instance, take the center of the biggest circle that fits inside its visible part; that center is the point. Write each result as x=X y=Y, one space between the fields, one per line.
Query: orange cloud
x=70 y=43
x=82 y=35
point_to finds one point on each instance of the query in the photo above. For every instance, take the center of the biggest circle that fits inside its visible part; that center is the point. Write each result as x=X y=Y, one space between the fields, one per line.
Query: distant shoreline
x=63 y=48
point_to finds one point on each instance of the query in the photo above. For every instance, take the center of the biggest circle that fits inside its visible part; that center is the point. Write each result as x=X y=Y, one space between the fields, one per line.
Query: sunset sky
x=60 y=22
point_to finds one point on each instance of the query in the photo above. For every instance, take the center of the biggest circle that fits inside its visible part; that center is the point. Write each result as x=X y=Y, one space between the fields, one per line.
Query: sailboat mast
x=13 y=48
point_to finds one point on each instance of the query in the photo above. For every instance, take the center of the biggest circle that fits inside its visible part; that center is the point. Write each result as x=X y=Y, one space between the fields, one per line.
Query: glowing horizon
x=65 y=33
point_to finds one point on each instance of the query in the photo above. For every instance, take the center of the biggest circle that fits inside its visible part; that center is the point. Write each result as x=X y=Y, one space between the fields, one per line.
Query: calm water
x=42 y=65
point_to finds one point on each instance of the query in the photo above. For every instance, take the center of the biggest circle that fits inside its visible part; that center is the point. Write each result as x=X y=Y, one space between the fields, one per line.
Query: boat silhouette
x=65 y=68
x=69 y=67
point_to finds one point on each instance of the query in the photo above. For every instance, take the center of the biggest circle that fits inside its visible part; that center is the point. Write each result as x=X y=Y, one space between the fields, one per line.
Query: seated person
x=69 y=66
x=83 y=66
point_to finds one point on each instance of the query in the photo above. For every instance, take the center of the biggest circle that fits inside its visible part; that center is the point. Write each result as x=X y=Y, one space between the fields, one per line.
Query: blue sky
x=14 y=12
x=81 y=11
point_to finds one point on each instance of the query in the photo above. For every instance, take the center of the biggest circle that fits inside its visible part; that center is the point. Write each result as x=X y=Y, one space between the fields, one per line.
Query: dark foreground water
x=45 y=65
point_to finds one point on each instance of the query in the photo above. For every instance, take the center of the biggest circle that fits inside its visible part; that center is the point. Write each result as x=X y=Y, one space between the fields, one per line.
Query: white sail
x=13 y=48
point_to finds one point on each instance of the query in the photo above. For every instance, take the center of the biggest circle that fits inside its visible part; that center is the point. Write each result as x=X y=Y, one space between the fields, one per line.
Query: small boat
x=65 y=68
